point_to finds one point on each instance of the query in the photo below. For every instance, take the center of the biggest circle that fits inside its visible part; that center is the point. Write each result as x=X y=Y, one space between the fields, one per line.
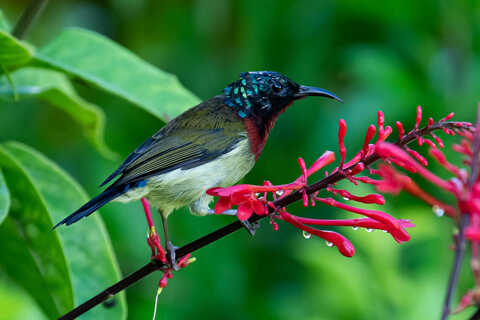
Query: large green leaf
x=58 y=268
x=4 y=198
x=13 y=52
x=56 y=88
x=98 y=60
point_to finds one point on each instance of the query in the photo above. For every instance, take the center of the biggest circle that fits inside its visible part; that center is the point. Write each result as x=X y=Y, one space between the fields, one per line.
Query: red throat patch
x=257 y=138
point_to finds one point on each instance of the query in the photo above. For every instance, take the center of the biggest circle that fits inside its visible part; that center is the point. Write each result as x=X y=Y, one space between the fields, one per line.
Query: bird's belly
x=181 y=187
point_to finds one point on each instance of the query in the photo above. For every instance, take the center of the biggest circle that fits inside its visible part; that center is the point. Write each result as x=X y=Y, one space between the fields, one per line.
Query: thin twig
x=457 y=264
x=28 y=17
x=234 y=226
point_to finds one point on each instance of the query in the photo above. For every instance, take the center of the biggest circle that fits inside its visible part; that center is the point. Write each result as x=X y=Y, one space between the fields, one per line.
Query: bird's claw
x=250 y=227
x=172 y=256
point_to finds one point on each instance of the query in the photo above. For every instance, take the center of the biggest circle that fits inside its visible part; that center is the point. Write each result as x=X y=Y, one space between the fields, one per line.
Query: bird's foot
x=172 y=259
x=158 y=252
x=250 y=227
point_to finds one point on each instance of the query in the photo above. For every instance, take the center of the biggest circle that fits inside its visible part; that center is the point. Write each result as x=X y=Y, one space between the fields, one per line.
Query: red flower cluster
x=463 y=185
x=252 y=199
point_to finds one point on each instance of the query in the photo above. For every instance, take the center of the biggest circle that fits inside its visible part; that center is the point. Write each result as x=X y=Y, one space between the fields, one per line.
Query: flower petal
x=223 y=204
x=258 y=207
x=244 y=212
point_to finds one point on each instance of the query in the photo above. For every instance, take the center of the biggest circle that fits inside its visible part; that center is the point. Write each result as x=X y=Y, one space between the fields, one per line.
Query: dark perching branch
x=28 y=17
x=461 y=241
x=234 y=226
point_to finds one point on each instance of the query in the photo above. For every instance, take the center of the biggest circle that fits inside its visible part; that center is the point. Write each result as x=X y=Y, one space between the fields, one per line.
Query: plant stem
x=110 y=291
x=457 y=264
x=28 y=17
x=234 y=226
x=464 y=219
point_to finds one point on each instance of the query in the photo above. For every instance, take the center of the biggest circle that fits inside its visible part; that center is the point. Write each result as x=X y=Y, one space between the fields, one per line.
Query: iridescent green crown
x=253 y=89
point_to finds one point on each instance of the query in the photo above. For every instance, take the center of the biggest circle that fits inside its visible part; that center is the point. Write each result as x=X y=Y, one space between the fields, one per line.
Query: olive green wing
x=186 y=149
x=195 y=137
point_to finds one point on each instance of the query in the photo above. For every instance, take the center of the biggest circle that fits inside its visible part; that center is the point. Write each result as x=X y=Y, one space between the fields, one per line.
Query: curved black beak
x=305 y=91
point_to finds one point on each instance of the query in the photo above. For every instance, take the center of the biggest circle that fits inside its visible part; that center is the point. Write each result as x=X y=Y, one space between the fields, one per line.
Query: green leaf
x=4 y=198
x=58 y=268
x=16 y=304
x=13 y=52
x=55 y=87
x=102 y=62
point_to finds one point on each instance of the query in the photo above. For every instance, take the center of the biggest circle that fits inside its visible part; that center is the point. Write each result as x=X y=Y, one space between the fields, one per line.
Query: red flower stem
x=148 y=214
x=155 y=265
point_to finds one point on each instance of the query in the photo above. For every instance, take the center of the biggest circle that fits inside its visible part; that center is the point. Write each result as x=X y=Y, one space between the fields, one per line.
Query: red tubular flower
x=343 y=244
x=401 y=130
x=371 y=198
x=390 y=151
x=419 y=117
x=465 y=189
x=368 y=137
x=392 y=224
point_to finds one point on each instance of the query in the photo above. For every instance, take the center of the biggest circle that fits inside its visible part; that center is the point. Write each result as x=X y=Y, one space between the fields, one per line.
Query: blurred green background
x=391 y=56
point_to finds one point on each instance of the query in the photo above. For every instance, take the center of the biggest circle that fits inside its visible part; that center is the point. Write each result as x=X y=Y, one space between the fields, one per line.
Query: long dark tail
x=91 y=206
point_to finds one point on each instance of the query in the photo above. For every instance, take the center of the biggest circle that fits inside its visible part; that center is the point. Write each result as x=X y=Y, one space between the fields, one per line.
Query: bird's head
x=265 y=94
x=260 y=96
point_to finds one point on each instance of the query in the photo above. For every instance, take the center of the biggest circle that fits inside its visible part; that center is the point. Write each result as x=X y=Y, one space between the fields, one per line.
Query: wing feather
x=188 y=155
x=195 y=137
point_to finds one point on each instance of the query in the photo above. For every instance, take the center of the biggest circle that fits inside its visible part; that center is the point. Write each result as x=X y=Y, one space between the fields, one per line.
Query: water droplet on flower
x=257 y=194
x=306 y=235
x=345 y=198
x=439 y=211
x=329 y=244
x=369 y=230
x=355 y=228
x=279 y=192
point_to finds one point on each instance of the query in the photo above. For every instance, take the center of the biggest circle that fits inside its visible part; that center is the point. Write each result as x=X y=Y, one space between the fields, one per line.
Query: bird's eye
x=277 y=87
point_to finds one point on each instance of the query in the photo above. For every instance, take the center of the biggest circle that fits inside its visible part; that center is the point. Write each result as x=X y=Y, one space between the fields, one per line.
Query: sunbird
x=213 y=144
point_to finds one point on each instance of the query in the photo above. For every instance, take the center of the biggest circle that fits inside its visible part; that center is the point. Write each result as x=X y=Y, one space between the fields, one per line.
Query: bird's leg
x=250 y=227
x=153 y=239
x=168 y=244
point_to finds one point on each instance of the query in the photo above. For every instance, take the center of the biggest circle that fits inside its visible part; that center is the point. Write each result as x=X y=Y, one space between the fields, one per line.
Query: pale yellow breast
x=180 y=187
